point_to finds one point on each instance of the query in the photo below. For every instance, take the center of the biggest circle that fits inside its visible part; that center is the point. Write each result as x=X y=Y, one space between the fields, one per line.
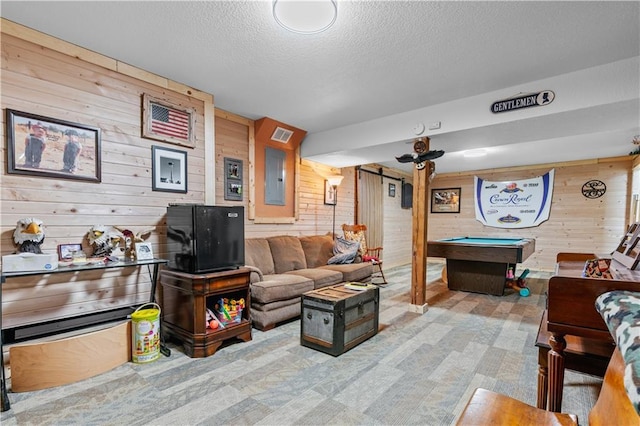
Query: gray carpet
x=418 y=370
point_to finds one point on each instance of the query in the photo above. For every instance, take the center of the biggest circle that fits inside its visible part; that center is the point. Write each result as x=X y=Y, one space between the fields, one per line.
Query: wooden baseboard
x=44 y=365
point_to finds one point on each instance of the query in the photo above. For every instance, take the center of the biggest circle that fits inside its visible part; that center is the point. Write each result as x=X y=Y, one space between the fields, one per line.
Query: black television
x=204 y=238
x=406 y=202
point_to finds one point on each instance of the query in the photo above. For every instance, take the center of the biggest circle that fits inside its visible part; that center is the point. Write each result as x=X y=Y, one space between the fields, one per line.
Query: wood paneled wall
x=44 y=76
x=314 y=217
x=576 y=223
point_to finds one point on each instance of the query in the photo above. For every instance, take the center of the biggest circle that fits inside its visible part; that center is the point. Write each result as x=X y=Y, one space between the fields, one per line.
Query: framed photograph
x=144 y=251
x=392 y=190
x=48 y=147
x=445 y=200
x=329 y=194
x=166 y=122
x=169 y=171
x=233 y=179
x=66 y=251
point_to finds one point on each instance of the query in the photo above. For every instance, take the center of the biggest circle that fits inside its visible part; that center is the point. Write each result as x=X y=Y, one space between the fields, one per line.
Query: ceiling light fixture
x=305 y=16
x=475 y=153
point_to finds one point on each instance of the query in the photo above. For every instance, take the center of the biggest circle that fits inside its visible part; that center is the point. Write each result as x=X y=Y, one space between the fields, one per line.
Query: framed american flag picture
x=165 y=122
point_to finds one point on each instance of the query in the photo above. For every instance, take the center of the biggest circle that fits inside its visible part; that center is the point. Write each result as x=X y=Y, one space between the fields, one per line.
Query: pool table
x=480 y=264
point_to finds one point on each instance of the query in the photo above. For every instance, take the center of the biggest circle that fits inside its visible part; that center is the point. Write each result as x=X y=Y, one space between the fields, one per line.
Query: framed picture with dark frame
x=232 y=179
x=445 y=200
x=169 y=169
x=392 y=190
x=48 y=147
x=329 y=194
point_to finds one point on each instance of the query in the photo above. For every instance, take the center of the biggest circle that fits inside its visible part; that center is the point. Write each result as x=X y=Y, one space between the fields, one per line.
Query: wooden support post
x=419 y=238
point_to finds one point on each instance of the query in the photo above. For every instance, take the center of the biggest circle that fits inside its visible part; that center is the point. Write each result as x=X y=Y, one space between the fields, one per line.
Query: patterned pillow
x=621 y=312
x=344 y=252
x=359 y=237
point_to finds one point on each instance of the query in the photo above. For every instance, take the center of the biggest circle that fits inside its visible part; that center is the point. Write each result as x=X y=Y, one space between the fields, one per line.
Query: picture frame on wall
x=166 y=122
x=169 y=169
x=48 y=147
x=445 y=200
x=233 y=179
x=392 y=190
x=329 y=194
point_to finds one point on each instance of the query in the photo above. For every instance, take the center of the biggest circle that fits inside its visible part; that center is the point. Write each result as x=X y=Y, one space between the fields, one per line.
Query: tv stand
x=184 y=302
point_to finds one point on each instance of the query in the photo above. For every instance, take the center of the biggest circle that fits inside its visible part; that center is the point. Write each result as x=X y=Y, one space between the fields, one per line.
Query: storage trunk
x=335 y=319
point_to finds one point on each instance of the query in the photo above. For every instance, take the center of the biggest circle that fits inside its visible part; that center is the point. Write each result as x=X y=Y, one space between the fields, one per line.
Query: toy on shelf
x=212 y=322
x=228 y=310
x=519 y=284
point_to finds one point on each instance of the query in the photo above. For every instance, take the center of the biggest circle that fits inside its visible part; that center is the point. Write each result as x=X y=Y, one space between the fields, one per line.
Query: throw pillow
x=344 y=251
x=359 y=238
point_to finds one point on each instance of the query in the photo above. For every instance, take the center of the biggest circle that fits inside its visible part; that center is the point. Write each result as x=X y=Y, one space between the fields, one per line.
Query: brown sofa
x=284 y=267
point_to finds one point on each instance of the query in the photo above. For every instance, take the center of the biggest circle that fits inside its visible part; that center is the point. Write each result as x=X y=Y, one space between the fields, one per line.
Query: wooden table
x=480 y=264
x=571 y=311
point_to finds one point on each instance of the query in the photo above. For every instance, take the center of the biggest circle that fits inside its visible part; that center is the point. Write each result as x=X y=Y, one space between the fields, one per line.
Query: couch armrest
x=256 y=274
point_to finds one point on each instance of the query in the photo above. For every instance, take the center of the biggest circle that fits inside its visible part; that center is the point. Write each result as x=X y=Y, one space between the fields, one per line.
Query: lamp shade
x=335 y=180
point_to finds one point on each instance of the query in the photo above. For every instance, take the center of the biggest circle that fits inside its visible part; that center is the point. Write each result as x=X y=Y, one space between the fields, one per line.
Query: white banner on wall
x=514 y=204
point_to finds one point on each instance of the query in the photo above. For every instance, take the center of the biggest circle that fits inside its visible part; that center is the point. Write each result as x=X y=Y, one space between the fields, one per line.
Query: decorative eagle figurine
x=133 y=237
x=104 y=239
x=420 y=154
x=29 y=235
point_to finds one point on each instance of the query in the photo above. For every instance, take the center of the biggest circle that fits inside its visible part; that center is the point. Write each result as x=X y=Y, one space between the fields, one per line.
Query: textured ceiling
x=379 y=59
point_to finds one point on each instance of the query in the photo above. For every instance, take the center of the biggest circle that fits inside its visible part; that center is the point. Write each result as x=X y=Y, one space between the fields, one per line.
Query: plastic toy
x=518 y=284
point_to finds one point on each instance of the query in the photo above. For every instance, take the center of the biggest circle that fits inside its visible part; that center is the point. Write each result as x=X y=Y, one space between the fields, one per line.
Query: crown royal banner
x=514 y=204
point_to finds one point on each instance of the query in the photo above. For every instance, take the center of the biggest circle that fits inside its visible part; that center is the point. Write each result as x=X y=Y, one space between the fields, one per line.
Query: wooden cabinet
x=184 y=302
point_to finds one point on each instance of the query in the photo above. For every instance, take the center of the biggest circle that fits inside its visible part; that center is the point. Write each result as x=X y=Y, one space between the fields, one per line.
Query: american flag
x=169 y=122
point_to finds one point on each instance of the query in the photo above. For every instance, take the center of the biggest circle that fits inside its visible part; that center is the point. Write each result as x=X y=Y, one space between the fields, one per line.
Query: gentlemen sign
x=514 y=204
x=531 y=100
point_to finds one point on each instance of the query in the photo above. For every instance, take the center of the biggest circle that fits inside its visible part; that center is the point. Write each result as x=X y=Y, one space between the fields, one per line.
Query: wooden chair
x=613 y=406
x=369 y=254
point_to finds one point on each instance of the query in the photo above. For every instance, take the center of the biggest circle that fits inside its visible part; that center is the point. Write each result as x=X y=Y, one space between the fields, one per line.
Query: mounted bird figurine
x=29 y=235
x=104 y=240
x=132 y=237
x=420 y=155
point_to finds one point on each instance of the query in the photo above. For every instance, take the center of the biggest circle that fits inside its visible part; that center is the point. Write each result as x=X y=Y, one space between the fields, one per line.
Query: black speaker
x=407 y=196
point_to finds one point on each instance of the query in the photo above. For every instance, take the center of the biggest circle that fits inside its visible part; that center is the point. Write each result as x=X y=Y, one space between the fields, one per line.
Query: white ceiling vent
x=281 y=135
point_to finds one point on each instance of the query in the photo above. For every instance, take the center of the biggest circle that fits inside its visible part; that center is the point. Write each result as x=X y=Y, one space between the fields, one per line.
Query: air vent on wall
x=281 y=135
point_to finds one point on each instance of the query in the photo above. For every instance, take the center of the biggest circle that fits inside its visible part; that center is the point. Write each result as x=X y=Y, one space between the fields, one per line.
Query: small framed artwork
x=144 y=251
x=329 y=194
x=66 y=251
x=392 y=190
x=48 y=147
x=165 y=122
x=445 y=200
x=169 y=169
x=233 y=179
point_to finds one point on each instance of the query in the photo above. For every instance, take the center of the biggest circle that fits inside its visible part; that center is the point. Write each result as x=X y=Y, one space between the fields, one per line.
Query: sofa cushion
x=287 y=253
x=269 y=318
x=317 y=249
x=321 y=277
x=258 y=253
x=280 y=287
x=352 y=271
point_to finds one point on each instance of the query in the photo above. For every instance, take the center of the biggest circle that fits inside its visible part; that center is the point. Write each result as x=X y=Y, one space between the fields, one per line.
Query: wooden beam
x=419 y=237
